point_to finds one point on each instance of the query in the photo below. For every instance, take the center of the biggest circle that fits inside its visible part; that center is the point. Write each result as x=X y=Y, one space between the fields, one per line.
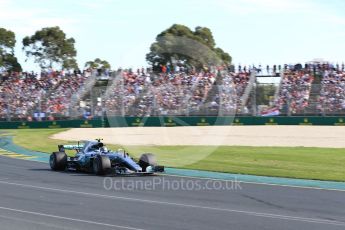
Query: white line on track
x=68 y=219
x=36 y=223
x=257 y=183
x=250 y=213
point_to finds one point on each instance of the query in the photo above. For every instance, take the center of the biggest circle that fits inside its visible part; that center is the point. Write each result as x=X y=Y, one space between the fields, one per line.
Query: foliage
x=98 y=64
x=264 y=93
x=7 y=59
x=49 y=46
x=180 y=45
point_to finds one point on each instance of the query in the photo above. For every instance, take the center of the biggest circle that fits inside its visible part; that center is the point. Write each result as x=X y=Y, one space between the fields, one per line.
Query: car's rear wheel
x=101 y=165
x=58 y=161
x=146 y=160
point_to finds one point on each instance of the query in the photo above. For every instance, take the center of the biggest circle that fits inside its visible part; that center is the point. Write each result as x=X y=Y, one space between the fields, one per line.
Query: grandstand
x=314 y=89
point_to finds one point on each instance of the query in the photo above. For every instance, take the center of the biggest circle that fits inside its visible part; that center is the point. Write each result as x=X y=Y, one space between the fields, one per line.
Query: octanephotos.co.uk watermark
x=163 y=184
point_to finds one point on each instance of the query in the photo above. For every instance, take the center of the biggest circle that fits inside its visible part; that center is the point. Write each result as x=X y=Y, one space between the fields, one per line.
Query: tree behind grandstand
x=98 y=64
x=180 y=45
x=50 y=48
x=7 y=59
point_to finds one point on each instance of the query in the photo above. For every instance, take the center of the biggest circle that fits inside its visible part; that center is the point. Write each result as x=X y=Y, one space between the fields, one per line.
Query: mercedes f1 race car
x=94 y=157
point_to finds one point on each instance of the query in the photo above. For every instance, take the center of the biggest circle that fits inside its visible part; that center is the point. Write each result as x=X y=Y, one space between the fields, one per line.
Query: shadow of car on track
x=73 y=173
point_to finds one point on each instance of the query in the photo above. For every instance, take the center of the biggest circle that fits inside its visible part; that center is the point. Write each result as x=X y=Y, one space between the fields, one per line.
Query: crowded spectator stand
x=173 y=91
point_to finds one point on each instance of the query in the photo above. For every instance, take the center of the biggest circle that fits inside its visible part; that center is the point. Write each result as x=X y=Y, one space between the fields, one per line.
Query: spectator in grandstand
x=174 y=93
x=332 y=96
x=22 y=95
x=295 y=90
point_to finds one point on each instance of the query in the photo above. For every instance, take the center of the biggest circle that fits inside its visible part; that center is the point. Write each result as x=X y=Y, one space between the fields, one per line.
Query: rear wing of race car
x=78 y=147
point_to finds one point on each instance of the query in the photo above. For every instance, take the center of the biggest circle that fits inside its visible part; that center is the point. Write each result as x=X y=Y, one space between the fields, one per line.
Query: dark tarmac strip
x=33 y=197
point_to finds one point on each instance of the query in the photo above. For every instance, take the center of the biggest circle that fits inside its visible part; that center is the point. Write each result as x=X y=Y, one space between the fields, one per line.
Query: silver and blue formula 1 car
x=94 y=157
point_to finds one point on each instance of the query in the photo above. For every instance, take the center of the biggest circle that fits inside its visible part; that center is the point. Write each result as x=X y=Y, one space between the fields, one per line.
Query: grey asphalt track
x=32 y=197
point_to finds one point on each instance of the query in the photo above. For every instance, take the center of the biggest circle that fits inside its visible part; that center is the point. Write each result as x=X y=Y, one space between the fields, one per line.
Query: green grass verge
x=38 y=139
x=293 y=162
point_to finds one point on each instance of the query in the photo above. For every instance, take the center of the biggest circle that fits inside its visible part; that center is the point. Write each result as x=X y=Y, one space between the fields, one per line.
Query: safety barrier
x=53 y=124
x=174 y=121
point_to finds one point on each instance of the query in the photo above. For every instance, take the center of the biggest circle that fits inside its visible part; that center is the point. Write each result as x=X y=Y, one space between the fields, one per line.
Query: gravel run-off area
x=307 y=136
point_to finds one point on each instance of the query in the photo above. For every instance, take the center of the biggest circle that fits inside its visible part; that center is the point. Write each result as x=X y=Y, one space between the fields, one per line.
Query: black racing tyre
x=101 y=165
x=147 y=159
x=58 y=161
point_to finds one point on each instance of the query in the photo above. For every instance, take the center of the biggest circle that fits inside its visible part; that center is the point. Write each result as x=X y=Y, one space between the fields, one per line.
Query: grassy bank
x=294 y=162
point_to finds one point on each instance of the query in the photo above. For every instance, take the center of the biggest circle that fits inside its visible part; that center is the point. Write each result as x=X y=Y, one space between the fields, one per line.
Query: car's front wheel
x=146 y=160
x=101 y=165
